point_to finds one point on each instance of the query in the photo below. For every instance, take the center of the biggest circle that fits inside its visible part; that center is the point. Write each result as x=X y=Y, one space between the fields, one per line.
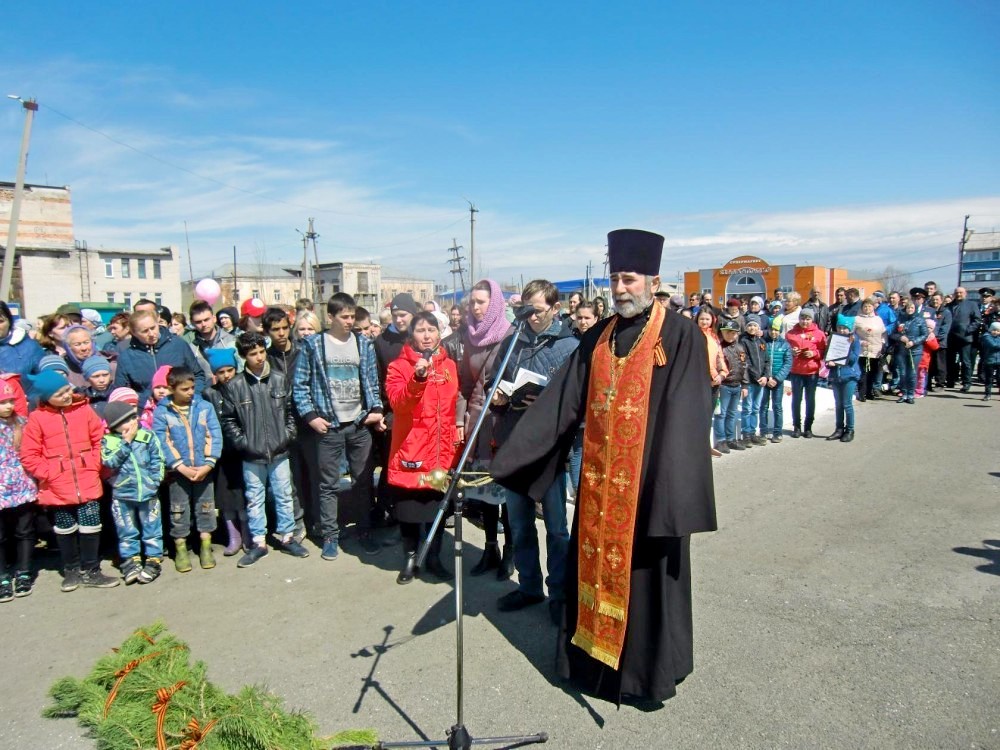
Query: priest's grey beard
x=630 y=305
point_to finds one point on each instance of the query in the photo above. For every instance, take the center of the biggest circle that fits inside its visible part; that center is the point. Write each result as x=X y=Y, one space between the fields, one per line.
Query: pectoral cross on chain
x=609 y=395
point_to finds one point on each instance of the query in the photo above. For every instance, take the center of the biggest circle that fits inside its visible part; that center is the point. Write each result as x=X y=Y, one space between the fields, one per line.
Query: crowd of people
x=896 y=345
x=237 y=421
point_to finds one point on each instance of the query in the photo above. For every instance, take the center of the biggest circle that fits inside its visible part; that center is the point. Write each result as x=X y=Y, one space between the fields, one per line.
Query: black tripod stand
x=458 y=737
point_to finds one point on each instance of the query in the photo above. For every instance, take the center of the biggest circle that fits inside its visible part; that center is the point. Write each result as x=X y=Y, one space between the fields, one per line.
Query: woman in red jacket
x=808 y=343
x=61 y=448
x=422 y=385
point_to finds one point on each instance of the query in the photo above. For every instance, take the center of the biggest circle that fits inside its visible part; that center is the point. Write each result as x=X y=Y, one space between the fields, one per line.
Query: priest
x=639 y=385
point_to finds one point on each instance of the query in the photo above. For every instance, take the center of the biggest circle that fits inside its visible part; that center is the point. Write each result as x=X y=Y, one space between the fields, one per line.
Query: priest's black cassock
x=676 y=499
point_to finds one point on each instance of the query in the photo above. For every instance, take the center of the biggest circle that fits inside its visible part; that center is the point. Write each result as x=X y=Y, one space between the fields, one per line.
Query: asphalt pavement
x=850 y=599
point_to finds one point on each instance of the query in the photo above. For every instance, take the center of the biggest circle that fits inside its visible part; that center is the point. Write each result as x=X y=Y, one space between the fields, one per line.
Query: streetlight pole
x=30 y=107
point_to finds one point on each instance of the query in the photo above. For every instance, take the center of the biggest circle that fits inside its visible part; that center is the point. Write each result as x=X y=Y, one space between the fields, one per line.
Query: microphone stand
x=458 y=737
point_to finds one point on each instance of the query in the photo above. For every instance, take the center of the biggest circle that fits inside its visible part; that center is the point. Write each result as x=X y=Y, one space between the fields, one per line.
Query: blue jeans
x=906 y=360
x=525 y=536
x=751 y=410
x=128 y=516
x=843 y=403
x=576 y=460
x=256 y=478
x=803 y=384
x=729 y=407
x=773 y=399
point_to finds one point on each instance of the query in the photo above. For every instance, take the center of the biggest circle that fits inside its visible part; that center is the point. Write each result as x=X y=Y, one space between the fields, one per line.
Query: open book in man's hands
x=525 y=383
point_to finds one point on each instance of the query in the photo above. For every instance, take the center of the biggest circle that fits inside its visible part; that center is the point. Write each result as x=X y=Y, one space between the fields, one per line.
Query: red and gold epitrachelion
x=613 y=445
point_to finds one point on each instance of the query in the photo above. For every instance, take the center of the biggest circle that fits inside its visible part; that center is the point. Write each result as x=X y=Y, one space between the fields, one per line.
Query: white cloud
x=271 y=183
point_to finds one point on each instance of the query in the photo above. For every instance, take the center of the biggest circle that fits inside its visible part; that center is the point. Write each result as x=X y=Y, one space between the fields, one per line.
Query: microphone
x=427 y=354
x=524 y=312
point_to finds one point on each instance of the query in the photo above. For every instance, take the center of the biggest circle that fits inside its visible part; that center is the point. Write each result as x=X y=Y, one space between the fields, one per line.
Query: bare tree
x=894 y=279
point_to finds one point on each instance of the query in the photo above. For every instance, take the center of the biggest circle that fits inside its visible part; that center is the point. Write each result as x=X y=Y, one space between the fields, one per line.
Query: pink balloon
x=208 y=290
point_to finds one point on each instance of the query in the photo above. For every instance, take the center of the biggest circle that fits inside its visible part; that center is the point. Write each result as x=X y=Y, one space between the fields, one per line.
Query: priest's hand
x=500 y=399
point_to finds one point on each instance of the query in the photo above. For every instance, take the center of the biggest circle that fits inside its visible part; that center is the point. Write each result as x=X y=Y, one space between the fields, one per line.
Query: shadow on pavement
x=375 y=652
x=990 y=552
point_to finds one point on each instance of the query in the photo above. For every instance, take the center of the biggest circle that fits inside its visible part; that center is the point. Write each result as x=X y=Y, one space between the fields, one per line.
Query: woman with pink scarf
x=485 y=329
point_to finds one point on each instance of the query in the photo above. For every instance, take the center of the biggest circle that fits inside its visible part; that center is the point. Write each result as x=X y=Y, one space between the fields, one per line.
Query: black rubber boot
x=409 y=571
x=489 y=561
x=506 y=569
x=434 y=565
x=69 y=550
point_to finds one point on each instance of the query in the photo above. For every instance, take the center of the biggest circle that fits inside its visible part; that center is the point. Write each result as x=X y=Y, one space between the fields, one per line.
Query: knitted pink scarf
x=492 y=328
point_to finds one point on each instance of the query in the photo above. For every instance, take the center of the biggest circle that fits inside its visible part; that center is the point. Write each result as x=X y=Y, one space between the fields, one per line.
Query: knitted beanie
x=46 y=384
x=125 y=395
x=404 y=302
x=118 y=413
x=95 y=364
x=160 y=377
x=219 y=358
x=53 y=362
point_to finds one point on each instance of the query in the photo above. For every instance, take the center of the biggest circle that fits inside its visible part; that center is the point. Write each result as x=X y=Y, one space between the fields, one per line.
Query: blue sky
x=849 y=133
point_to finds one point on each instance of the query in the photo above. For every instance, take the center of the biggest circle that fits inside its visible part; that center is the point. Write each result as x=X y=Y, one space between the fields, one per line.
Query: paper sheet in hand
x=838 y=349
x=526 y=382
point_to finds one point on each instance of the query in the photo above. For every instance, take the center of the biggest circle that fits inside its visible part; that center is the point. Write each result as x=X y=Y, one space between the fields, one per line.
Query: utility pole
x=30 y=107
x=187 y=241
x=961 y=248
x=311 y=234
x=236 y=292
x=456 y=268
x=304 y=281
x=472 y=240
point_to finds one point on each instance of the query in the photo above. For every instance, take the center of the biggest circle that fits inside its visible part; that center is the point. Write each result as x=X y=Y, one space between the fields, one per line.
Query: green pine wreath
x=148 y=695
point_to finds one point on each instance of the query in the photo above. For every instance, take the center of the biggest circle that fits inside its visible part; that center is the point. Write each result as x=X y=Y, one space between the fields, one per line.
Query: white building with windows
x=422 y=290
x=52 y=267
x=363 y=281
x=274 y=284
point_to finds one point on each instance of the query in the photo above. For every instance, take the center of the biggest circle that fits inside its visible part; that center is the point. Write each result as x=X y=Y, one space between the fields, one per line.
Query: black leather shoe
x=735 y=445
x=807 y=433
x=848 y=436
x=796 y=433
x=516 y=600
x=837 y=434
x=409 y=571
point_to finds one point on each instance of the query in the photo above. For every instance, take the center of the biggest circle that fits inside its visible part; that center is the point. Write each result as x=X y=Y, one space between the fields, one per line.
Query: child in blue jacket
x=779 y=364
x=191 y=436
x=843 y=379
x=990 y=347
x=133 y=455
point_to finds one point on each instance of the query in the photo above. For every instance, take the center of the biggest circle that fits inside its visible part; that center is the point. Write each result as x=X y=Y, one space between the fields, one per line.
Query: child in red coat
x=61 y=448
x=931 y=345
